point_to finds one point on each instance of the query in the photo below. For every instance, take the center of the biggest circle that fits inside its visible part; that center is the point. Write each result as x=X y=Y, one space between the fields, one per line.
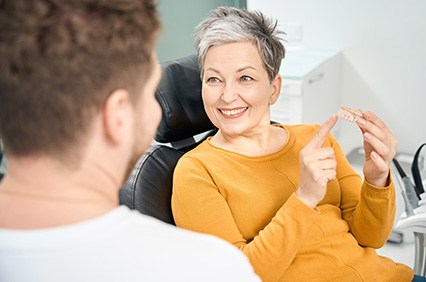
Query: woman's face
x=236 y=91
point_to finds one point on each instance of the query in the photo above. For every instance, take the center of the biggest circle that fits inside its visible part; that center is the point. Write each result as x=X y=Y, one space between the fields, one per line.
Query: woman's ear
x=116 y=114
x=276 y=89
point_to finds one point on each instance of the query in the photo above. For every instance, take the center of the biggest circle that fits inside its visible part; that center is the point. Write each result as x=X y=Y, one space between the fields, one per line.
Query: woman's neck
x=260 y=143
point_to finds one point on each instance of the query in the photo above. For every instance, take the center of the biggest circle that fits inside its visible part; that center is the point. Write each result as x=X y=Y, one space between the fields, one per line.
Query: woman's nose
x=229 y=93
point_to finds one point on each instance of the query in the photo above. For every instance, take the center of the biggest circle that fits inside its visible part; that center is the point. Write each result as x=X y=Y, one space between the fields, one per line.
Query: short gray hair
x=228 y=24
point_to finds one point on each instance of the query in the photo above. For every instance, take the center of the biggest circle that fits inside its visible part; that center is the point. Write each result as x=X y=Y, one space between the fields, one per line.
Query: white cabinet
x=310 y=88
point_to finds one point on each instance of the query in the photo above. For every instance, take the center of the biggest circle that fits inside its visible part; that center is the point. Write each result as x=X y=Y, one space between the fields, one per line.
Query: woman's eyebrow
x=237 y=71
x=212 y=69
x=245 y=68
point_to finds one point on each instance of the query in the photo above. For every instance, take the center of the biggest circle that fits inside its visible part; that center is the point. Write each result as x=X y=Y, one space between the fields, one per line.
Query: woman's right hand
x=317 y=166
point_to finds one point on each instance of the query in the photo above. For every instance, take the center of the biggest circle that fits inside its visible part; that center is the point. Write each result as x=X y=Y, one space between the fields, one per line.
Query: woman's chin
x=232 y=130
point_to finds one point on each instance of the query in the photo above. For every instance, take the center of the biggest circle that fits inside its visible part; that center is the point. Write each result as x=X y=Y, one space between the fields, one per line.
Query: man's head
x=60 y=61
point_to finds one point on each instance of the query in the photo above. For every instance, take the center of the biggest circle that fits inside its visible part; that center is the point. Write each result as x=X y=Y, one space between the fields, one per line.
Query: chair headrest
x=179 y=95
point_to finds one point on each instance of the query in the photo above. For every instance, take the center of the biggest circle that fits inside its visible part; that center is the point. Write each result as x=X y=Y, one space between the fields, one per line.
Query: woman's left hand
x=379 y=146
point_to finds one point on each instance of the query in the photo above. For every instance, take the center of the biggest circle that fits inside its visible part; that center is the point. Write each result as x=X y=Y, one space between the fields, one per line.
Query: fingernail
x=367 y=136
x=361 y=122
x=374 y=155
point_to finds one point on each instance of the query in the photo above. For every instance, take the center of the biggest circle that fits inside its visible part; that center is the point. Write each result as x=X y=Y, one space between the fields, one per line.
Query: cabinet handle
x=316 y=78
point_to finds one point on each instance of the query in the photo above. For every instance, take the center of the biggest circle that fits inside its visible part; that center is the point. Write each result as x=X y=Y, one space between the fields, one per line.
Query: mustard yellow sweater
x=250 y=202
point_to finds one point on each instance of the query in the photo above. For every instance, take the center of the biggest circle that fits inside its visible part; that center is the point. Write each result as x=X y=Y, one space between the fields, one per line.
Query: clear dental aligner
x=349 y=114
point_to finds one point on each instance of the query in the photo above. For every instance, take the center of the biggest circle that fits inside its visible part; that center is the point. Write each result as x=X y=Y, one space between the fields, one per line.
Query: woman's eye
x=213 y=80
x=246 y=78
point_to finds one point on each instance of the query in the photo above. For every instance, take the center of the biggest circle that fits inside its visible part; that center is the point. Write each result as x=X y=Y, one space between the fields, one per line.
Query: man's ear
x=276 y=89
x=116 y=114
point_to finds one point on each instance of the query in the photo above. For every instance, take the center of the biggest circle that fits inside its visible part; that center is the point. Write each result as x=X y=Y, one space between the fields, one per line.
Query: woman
x=285 y=195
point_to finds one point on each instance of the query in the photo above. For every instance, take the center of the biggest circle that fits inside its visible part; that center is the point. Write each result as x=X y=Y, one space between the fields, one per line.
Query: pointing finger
x=319 y=137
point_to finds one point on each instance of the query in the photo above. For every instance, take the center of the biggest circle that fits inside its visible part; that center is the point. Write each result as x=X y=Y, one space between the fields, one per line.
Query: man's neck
x=40 y=193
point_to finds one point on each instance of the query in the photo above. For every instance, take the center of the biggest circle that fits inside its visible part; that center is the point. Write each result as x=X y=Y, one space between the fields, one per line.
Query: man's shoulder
x=181 y=238
x=130 y=246
x=187 y=249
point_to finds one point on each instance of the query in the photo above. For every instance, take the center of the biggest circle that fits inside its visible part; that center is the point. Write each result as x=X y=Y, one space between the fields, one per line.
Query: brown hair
x=61 y=59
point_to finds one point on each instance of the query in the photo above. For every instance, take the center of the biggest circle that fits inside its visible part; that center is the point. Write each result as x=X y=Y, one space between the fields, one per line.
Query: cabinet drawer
x=285 y=118
x=291 y=87
x=288 y=104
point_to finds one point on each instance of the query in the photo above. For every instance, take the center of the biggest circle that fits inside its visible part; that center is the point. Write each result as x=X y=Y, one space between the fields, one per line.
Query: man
x=77 y=82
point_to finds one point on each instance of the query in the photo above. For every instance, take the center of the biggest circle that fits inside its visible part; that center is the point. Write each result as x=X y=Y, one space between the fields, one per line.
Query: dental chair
x=2 y=161
x=183 y=126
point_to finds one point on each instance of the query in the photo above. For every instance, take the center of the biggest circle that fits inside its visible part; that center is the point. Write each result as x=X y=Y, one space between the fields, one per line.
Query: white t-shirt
x=122 y=245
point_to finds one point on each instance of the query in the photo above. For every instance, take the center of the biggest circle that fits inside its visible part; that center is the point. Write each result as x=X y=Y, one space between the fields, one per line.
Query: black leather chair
x=184 y=124
x=1 y=160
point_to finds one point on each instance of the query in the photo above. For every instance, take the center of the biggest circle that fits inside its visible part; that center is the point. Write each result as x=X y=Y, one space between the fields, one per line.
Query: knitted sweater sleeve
x=198 y=205
x=369 y=210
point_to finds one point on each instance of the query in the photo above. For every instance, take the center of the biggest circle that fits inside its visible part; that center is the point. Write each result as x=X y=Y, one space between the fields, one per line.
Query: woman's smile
x=233 y=113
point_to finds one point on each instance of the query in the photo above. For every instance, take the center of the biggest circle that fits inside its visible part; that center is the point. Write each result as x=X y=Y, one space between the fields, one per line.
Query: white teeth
x=233 y=112
x=349 y=114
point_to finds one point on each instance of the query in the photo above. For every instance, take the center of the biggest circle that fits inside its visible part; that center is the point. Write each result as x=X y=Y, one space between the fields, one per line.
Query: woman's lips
x=233 y=113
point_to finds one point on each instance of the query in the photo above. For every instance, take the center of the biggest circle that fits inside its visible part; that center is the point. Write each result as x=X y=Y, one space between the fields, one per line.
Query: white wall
x=383 y=43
